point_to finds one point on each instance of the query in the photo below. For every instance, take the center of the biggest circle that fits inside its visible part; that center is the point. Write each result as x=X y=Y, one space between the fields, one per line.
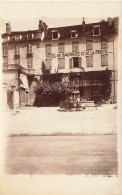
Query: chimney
x=40 y=26
x=83 y=23
x=116 y=22
x=8 y=28
x=110 y=21
x=45 y=28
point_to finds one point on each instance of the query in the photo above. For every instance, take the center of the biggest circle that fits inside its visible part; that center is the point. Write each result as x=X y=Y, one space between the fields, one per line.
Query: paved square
x=47 y=120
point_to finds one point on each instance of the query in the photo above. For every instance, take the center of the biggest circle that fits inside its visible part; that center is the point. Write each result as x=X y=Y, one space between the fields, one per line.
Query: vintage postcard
x=61 y=97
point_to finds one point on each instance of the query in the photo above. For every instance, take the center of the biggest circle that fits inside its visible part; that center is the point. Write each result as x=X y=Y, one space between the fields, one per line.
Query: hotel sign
x=77 y=54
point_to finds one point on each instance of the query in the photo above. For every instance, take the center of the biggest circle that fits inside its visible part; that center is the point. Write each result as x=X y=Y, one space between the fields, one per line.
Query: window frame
x=45 y=49
x=77 y=46
x=5 y=63
x=28 y=64
x=75 y=32
x=16 y=62
x=77 y=62
x=91 y=41
x=59 y=47
x=29 y=49
x=102 y=60
x=59 y=66
x=94 y=31
x=104 y=40
x=49 y=67
x=55 y=31
x=5 y=50
x=89 y=60
x=17 y=50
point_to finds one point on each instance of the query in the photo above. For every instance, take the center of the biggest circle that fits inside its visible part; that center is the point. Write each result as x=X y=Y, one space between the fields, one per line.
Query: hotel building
x=88 y=50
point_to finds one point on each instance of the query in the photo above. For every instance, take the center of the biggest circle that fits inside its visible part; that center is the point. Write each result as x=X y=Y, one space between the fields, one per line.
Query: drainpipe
x=18 y=86
x=114 y=74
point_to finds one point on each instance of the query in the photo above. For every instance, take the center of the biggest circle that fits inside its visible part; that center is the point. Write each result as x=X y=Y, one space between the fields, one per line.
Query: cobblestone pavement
x=48 y=120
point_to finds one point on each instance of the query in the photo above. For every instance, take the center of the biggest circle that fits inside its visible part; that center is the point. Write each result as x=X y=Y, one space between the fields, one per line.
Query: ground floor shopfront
x=92 y=85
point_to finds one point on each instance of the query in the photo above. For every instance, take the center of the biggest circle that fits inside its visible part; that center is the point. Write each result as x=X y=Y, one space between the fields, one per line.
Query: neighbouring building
x=87 y=51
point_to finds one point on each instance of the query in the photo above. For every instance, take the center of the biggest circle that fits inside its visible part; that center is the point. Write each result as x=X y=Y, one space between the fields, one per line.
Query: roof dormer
x=55 y=34
x=74 y=34
x=96 y=30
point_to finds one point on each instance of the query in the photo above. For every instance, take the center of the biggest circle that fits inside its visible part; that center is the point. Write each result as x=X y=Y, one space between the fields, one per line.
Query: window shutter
x=48 y=48
x=104 y=44
x=80 y=62
x=70 y=63
x=61 y=47
x=16 y=50
x=29 y=49
x=48 y=63
x=61 y=63
x=89 y=61
x=104 y=60
x=89 y=45
x=75 y=46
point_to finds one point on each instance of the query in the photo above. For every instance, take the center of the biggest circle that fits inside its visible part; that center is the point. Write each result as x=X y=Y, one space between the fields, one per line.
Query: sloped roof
x=65 y=31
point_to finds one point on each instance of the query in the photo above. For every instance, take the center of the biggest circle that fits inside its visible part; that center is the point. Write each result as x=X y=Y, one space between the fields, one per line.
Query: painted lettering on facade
x=77 y=54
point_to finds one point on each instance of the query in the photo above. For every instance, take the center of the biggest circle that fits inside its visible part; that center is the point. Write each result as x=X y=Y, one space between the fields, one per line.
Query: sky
x=25 y=15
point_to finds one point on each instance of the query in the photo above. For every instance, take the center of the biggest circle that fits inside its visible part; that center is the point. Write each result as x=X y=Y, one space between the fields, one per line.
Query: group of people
x=74 y=99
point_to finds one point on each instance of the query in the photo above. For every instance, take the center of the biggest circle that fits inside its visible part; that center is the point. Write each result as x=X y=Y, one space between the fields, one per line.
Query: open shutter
x=80 y=62
x=70 y=63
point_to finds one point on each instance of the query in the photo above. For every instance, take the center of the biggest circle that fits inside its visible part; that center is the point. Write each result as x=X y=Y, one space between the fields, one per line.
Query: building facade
x=85 y=50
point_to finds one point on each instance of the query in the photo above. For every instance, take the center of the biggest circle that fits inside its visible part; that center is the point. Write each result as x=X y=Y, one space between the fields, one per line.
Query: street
x=48 y=120
x=95 y=154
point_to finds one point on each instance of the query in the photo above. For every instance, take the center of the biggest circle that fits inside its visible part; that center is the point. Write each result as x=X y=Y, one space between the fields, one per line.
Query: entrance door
x=10 y=99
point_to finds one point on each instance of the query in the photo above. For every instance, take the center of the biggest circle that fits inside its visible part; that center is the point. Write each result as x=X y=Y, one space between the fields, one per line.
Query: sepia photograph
x=60 y=97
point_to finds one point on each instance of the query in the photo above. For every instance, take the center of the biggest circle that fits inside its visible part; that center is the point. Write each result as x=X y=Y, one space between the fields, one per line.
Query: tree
x=53 y=93
x=45 y=71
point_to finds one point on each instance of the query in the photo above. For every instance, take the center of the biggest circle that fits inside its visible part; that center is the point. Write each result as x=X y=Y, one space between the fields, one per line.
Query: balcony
x=10 y=67
x=30 y=71
x=17 y=56
x=29 y=55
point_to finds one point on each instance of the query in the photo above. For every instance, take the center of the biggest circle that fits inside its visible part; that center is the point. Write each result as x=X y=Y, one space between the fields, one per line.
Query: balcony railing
x=10 y=66
x=30 y=71
x=29 y=55
x=17 y=56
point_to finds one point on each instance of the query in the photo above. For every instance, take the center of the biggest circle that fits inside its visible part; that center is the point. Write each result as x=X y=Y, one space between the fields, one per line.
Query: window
x=48 y=63
x=17 y=37
x=29 y=36
x=5 y=51
x=48 y=49
x=75 y=62
x=104 y=44
x=55 y=35
x=16 y=50
x=5 y=38
x=5 y=64
x=96 y=31
x=17 y=62
x=29 y=49
x=61 y=47
x=30 y=64
x=73 y=34
x=89 y=61
x=104 y=60
x=89 y=45
x=75 y=46
x=61 y=63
